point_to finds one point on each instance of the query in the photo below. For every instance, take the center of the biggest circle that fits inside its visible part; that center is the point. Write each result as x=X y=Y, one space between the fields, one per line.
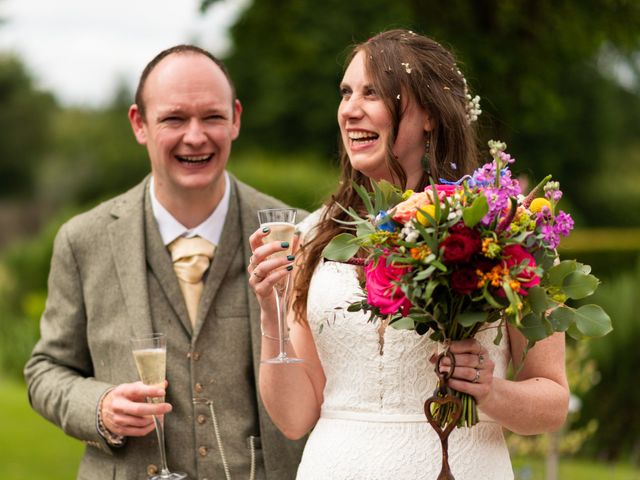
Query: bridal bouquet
x=457 y=256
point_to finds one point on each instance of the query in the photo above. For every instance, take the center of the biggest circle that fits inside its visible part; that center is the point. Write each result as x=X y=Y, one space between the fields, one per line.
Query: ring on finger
x=477 y=377
x=480 y=359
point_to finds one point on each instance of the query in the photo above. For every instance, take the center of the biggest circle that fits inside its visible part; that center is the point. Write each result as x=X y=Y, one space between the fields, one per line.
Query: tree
x=24 y=127
x=537 y=66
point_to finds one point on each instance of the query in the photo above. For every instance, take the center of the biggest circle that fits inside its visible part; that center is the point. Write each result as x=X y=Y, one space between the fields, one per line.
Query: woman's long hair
x=399 y=63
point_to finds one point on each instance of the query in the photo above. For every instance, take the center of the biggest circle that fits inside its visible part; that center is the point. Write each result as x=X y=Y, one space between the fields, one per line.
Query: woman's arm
x=536 y=401
x=292 y=393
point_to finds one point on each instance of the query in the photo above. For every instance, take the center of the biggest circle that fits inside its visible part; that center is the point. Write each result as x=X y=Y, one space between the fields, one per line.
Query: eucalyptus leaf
x=578 y=285
x=538 y=300
x=341 y=248
x=533 y=327
x=562 y=318
x=593 y=321
x=364 y=228
x=476 y=211
x=404 y=323
x=468 y=319
x=556 y=274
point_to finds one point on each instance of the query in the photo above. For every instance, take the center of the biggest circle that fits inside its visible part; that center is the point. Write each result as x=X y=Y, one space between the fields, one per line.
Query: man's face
x=190 y=121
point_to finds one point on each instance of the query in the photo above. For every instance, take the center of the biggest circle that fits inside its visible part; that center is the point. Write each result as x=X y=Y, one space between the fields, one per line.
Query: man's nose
x=195 y=134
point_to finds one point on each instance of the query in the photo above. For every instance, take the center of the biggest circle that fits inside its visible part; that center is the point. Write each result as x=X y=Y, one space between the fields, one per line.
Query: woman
x=405 y=110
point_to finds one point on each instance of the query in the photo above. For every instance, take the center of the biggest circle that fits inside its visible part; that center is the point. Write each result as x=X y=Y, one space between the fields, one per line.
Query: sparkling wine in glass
x=150 y=355
x=281 y=224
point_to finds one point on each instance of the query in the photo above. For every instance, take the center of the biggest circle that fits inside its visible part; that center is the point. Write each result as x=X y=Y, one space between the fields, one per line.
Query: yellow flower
x=428 y=209
x=538 y=203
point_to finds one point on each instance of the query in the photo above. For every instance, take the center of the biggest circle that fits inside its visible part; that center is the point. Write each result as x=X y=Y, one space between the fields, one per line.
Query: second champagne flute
x=150 y=355
x=281 y=224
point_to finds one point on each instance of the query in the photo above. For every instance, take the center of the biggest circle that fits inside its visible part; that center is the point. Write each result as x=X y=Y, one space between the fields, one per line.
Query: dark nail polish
x=266 y=229
x=289 y=267
x=291 y=258
x=284 y=244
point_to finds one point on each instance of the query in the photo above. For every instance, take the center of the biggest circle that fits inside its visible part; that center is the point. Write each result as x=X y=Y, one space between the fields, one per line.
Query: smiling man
x=112 y=278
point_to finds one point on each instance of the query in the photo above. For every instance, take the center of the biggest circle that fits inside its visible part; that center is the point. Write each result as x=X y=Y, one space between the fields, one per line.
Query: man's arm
x=59 y=374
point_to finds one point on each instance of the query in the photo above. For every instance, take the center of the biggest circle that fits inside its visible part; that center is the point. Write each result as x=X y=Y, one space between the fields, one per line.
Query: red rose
x=514 y=255
x=382 y=289
x=464 y=280
x=461 y=244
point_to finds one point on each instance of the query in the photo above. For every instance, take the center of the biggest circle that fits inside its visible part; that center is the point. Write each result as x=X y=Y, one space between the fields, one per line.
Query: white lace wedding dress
x=372 y=425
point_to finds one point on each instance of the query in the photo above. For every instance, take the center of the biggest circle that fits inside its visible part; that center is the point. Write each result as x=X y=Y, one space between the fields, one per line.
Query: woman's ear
x=429 y=124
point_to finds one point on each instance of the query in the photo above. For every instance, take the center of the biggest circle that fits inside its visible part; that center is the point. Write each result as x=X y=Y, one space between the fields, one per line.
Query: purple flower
x=564 y=223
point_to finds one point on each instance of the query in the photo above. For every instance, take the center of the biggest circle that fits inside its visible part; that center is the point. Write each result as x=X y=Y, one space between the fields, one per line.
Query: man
x=112 y=279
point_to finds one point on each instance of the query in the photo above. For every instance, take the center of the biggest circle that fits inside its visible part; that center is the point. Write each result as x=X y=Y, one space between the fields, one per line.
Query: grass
x=534 y=469
x=31 y=448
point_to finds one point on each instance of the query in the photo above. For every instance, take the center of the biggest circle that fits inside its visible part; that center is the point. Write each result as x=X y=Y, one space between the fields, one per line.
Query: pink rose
x=382 y=289
x=514 y=255
x=442 y=189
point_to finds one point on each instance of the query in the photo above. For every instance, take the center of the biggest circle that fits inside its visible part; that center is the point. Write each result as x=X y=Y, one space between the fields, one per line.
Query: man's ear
x=137 y=124
x=237 y=113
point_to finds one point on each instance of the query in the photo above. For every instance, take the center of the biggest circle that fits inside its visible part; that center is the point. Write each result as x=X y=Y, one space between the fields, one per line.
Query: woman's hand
x=266 y=270
x=473 y=373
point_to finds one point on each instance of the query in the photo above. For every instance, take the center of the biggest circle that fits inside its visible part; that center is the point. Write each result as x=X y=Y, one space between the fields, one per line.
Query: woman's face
x=366 y=127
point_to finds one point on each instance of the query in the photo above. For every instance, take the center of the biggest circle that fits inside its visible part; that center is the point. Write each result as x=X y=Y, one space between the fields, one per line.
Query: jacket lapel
x=126 y=235
x=230 y=240
x=159 y=261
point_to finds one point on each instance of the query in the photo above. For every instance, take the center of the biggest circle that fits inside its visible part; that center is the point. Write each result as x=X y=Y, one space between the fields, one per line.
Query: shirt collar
x=210 y=229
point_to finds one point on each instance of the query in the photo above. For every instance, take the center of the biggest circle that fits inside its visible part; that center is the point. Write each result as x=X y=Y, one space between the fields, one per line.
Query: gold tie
x=191 y=258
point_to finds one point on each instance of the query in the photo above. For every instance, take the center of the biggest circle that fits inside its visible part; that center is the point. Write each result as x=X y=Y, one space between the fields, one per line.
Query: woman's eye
x=345 y=92
x=370 y=92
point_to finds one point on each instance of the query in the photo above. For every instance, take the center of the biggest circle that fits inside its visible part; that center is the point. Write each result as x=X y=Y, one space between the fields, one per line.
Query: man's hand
x=125 y=410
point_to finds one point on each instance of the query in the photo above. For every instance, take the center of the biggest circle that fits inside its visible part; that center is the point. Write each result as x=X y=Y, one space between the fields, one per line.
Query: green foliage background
x=549 y=76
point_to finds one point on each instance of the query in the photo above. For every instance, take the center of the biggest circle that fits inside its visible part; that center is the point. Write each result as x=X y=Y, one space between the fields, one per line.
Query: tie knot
x=183 y=247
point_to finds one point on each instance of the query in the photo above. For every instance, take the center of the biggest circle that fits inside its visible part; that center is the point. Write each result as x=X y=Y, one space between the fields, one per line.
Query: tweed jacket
x=111 y=278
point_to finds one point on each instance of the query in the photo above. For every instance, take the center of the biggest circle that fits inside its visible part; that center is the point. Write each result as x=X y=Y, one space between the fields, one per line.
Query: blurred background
x=559 y=81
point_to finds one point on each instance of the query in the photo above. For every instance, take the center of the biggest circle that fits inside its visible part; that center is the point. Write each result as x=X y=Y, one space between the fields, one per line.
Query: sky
x=82 y=49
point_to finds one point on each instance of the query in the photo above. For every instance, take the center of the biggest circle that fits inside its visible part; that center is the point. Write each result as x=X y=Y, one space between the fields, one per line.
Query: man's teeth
x=193 y=159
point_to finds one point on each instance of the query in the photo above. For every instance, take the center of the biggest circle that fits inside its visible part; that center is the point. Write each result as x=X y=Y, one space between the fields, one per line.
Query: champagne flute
x=150 y=355
x=281 y=224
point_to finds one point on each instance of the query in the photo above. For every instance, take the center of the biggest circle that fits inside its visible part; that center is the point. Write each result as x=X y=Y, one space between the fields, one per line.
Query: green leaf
x=557 y=273
x=341 y=248
x=364 y=229
x=593 y=321
x=578 y=285
x=468 y=319
x=533 y=327
x=476 y=211
x=562 y=318
x=404 y=323
x=538 y=300
x=364 y=195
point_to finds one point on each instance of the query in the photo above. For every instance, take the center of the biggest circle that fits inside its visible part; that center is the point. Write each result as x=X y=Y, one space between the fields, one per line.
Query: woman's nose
x=351 y=107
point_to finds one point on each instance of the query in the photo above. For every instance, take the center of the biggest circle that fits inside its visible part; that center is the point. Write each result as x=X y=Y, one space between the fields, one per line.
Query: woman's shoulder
x=307 y=226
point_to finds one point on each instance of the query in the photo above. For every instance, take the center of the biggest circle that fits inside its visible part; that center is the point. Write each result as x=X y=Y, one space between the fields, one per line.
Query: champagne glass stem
x=281 y=298
x=164 y=470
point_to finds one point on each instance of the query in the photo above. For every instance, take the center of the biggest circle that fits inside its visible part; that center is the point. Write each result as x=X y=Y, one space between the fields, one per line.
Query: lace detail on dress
x=372 y=424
